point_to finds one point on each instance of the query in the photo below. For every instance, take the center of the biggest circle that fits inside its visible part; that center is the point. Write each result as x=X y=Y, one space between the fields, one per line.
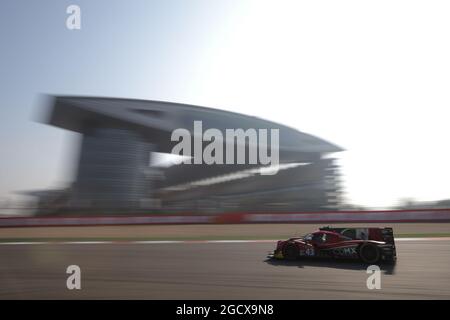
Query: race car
x=370 y=245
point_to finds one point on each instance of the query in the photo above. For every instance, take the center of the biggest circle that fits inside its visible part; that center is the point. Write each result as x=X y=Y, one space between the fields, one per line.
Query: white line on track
x=185 y=241
x=424 y=239
x=23 y=243
x=81 y=242
x=152 y=241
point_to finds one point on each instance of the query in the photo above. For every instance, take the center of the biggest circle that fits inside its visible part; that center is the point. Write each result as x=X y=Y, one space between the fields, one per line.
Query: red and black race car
x=370 y=245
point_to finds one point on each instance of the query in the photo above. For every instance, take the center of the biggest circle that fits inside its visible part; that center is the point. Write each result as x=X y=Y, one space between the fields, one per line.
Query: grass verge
x=199 y=238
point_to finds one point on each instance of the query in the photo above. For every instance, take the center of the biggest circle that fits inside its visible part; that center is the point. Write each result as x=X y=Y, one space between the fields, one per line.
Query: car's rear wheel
x=290 y=251
x=369 y=253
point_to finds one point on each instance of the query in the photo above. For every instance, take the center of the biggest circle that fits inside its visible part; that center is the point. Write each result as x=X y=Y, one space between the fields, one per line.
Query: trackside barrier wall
x=436 y=215
x=355 y=216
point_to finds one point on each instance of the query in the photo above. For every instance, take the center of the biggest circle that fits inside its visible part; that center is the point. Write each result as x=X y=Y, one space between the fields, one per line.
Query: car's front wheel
x=290 y=251
x=369 y=253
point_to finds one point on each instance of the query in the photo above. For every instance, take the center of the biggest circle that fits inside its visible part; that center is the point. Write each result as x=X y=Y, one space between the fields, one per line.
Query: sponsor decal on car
x=345 y=251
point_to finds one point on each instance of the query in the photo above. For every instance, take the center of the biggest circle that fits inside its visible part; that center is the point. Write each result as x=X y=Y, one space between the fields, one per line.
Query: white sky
x=370 y=76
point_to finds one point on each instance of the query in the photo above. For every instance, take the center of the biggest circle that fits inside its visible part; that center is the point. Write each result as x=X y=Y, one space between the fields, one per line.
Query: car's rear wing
x=376 y=234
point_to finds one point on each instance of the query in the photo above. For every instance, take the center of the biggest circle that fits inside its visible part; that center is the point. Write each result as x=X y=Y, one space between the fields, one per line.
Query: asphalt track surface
x=214 y=271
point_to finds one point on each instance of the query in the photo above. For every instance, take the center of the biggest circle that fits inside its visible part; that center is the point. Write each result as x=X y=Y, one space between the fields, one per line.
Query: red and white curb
x=184 y=241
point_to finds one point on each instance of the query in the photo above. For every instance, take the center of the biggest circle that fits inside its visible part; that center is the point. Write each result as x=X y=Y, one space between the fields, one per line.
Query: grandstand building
x=119 y=137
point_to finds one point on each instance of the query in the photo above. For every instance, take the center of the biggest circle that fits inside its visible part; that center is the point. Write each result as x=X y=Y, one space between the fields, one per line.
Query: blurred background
x=357 y=89
x=371 y=79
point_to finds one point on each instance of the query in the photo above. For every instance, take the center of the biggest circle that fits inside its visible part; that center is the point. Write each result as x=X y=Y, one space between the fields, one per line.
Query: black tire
x=290 y=251
x=369 y=253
